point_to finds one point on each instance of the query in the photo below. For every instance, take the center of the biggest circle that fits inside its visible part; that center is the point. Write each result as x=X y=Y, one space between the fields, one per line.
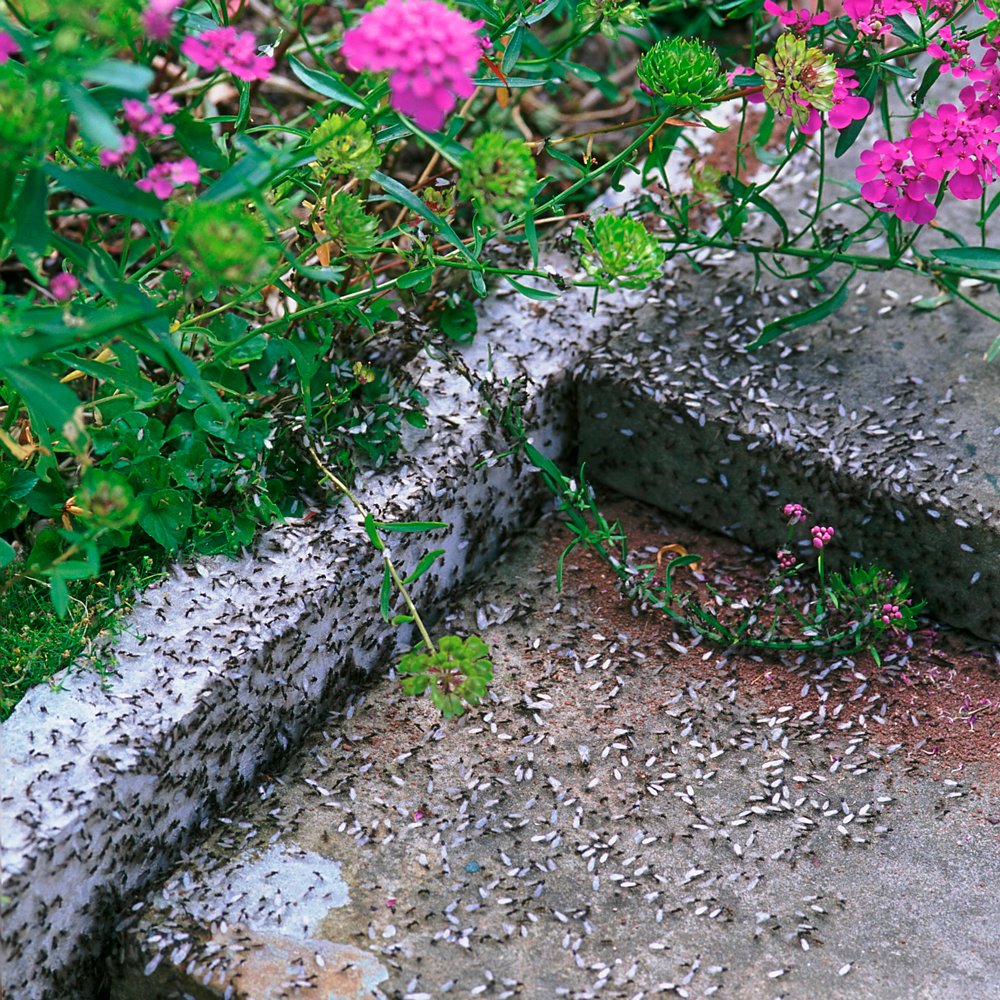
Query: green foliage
x=619 y=249
x=609 y=15
x=455 y=675
x=685 y=72
x=223 y=243
x=866 y=592
x=30 y=115
x=498 y=175
x=344 y=145
x=351 y=229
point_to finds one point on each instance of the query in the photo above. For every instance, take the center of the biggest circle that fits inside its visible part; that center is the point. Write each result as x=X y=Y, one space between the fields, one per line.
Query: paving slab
x=607 y=825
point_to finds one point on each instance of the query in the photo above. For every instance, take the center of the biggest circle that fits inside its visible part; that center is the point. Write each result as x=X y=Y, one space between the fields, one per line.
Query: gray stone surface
x=885 y=427
x=227 y=665
x=606 y=826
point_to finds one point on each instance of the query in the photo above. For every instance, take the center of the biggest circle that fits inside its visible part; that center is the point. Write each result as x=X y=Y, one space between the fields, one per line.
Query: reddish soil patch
x=937 y=693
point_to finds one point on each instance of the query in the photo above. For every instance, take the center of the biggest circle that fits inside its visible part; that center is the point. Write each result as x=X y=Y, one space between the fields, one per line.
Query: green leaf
x=412 y=278
x=124 y=75
x=325 y=84
x=424 y=565
x=96 y=124
x=401 y=620
x=531 y=235
x=993 y=352
x=386 y=593
x=7 y=553
x=459 y=322
x=31 y=228
x=931 y=76
x=410 y=525
x=982 y=258
x=49 y=402
x=513 y=82
x=821 y=310
x=513 y=51
x=59 y=595
x=373 y=533
x=544 y=10
x=195 y=138
x=166 y=518
x=531 y=293
x=108 y=191
x=748 y=194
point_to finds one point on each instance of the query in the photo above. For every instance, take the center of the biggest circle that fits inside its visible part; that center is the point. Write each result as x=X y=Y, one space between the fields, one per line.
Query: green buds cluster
x=497 y=175
x=30 y=113
x=344 y=146
x=224 y=244
x=685 y=72
x=455 y=675
x=620 y=249
x=609 y=15
x=349 y=226
x=107 y=499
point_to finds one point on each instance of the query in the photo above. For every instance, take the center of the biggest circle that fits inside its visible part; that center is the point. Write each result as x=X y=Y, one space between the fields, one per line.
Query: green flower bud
x=683 y=71
x=797 y=79
x=223 y=244
x=30 y=114
x=609 y=15
x=620 y=249
x=344 y=146
x=349 y=226
x=497 y=175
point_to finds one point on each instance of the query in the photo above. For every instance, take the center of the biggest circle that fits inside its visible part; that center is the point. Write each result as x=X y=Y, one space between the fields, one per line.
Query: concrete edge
x=225 y=666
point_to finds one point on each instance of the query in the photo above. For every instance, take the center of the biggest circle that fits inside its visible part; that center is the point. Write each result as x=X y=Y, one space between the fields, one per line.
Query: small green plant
x=684 y=72
x=458 y=672
x=455 y=672
x=497 y=175
x=619 y=249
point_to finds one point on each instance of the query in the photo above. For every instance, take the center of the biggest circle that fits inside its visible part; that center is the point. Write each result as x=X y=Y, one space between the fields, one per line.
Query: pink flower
x=870 y=16
x=785 y=559
x=63 y=286
x=430 y=50
x=847 y=107
x=118 y=157
x=223 y=48
x=156 y=18
x=799 y=21
x=7 y=46
x=821 y=536
x=164 y=177
x=795 y=512
x=150 y=120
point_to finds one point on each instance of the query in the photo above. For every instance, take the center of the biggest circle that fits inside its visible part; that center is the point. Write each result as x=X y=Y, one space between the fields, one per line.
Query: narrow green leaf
x=410 y=525
x=386 y=593
x=994 y=351
x=325 y=84
x=532 y=293
x=412 y=278
x=49 y=402
x=513 y=82
x=513 y=51
x=31 y=228
x=373 y=533
x=108 y=191
x=195 y=138
x=401 y=620
x=740 y=190
x=124 y=75
x=983 y=258
x=96 y=124
x=821 y=310
x=902 y=30
x=59 y=595
x=931 y=75
x=424 y=565
x=543 y=11
x=531 y=235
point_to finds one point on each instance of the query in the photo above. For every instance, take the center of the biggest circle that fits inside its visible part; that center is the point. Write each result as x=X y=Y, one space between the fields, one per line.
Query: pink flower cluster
x=7 y=46
x=164 y=177
x=795 y=512
x=156 y=18
x=891 y=613
x=799 y=21
x=430 y=51
x=63 y=286
x=785 y=559
x=954 y=59
x=223 y=48
x=871 y=17
x=847 y=107
x=821 y=536
x=149 y=119
x=899 y=177
x=118 y=157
